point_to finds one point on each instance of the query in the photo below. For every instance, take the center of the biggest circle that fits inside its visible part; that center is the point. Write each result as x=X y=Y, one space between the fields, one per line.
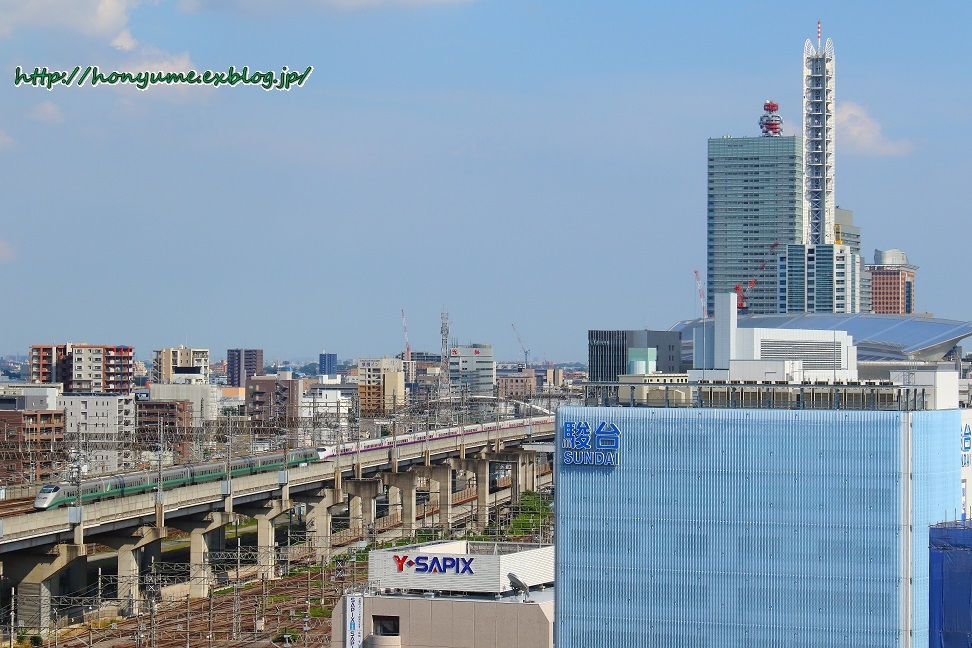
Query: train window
x=49 y=489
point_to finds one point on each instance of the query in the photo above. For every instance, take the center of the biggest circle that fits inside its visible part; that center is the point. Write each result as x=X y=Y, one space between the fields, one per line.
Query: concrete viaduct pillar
x=480 y=467
x=441 y=477
x=522 y=470
x=39 y=576
x=136 y=548
x=204 y=534
x=318 y=518
x=264 y=516
x=402 y=487
x=361 y=505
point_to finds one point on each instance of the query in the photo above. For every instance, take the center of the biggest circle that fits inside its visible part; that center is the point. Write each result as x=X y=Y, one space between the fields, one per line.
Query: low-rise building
x=451 y=593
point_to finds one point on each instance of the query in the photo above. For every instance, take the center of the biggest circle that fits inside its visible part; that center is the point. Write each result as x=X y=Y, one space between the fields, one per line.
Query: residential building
x=740 y=524
x=275 y=397
x=381 y=385
x=84 y=368
x=102 y=427
x=472 y=370
x=169 y=420
x=892 y=282
x=755 y=205
x=169 y=362
x=31 y=445
x=327 y=364
x=242 y=364
x=205 y=399
x=608 y=352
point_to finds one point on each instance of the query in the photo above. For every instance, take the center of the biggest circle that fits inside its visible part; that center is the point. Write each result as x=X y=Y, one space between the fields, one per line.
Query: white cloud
x=124 y=41
x=103 y=18
x=7 y=253
x=47 y=112
x=858 y=132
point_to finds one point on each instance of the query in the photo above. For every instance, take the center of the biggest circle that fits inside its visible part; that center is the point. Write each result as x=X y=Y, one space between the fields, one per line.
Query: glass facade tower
x=732 y=528
x=755 y=207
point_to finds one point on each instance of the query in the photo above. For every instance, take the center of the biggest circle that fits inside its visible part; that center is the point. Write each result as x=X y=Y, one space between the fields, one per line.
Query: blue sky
x=532 y=163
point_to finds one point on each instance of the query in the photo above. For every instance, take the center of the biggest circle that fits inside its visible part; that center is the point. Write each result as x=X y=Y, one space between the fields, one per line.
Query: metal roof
x=877 y=337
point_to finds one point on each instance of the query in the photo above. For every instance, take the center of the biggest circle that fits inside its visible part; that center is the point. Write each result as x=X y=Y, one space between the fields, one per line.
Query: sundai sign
x=586 y=444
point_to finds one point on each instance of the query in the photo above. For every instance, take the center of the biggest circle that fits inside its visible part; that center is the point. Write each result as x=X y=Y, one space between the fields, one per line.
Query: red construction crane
x=742 y=302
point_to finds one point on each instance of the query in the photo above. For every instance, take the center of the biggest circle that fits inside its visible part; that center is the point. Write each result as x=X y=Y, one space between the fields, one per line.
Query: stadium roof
x=877 y=337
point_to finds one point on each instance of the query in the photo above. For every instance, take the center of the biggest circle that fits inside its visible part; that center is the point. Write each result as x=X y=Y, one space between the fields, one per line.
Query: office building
x=242 y=364
x=521 y=384
x=823 y=278
x=327 y=364
x=451 y=593
x=168 y=421
x=609 y=352
x=892 y=282
x=729 y=525
x=755 y=205
x=169 y=363
x=472 y=370
x=84 y=368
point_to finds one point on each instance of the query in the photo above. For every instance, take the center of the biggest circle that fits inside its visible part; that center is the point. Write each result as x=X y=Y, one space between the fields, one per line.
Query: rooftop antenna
x=818 y=35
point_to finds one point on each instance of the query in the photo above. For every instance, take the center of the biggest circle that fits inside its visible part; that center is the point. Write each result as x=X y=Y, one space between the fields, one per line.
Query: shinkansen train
x=122 y=485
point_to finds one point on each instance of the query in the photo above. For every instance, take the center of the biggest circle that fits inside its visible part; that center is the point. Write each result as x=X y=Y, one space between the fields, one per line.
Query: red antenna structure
x=742 y=300
x=771 y=123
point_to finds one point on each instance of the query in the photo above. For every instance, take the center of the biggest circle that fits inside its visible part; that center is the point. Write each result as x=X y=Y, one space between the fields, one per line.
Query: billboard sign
x=426 y=564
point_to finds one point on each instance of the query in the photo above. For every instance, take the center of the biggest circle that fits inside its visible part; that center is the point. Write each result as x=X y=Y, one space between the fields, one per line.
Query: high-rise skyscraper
x=755 y=205
x=819 y=123
x=242 y=364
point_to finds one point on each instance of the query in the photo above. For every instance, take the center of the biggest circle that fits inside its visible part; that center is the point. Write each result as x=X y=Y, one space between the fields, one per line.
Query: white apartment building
x=102 y=426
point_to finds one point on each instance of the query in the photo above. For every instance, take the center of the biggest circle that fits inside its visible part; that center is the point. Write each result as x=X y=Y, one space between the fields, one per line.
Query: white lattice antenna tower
x=819 y=123
x=444 y=360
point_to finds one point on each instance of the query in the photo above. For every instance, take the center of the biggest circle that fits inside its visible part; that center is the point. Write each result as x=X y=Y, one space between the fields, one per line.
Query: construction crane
x=526 y=352
x=742 y=299
x=698 y=282
x=408 y=347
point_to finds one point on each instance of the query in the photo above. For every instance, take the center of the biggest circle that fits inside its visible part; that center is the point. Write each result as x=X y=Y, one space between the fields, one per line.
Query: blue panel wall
x=950 y=589
x=742 y=528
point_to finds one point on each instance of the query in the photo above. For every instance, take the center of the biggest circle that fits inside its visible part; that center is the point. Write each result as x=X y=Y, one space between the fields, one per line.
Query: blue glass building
x=748 y=528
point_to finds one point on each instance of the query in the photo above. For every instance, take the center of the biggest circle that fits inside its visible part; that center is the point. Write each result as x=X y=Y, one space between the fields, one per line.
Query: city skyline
x=430 y=133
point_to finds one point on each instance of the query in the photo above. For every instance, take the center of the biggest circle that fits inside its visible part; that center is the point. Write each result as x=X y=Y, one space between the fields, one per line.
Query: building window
x=385 y=626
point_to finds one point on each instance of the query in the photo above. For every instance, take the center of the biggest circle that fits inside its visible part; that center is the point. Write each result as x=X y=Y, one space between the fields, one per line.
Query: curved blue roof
x=877 y=337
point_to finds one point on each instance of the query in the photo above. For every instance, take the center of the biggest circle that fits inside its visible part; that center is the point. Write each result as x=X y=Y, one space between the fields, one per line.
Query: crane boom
x=698 y=282
x=526 y=352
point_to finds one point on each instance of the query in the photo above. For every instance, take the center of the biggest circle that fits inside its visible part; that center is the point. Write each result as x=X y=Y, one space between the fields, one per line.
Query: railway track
x=16 y=506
